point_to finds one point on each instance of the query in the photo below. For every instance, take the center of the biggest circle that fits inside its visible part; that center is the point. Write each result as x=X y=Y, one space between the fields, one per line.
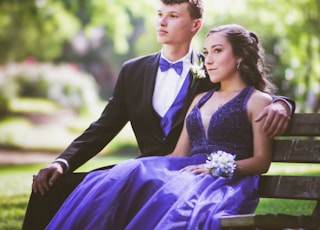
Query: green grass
x=14 y=191
x=15 y=134
x=12 y=211
x=19 y=134
x=295 y=207
x=16 y=187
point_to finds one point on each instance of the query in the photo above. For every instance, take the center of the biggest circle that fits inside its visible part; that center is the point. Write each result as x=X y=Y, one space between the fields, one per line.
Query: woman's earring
x=238 y=65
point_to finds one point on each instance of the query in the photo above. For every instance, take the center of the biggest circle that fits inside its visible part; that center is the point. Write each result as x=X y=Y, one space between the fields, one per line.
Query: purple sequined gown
x=151 y=193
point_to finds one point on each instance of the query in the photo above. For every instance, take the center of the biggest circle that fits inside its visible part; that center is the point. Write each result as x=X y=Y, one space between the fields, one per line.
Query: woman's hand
x=200 y=170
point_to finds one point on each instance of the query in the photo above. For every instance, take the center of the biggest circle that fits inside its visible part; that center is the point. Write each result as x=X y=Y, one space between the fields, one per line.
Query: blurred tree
x=33 y=28
x=100 y=35
x=300 y=52
x=294 y=26
x=290 y=33
x=107 y=37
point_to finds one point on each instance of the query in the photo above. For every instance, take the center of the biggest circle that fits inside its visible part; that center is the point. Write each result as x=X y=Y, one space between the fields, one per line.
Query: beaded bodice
x=229 y=128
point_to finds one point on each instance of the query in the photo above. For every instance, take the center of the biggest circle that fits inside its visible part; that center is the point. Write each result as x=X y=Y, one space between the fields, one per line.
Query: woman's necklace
x=220 y=103
x=229 y=95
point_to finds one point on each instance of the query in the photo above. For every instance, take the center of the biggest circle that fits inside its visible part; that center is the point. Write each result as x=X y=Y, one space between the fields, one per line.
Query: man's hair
x=195 y=6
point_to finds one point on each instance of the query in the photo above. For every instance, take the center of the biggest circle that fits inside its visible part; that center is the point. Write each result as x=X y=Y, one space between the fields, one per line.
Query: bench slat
x=299 y=144
x=304 y=124
x=301 y=151
x=271 y=221
x=290 y=187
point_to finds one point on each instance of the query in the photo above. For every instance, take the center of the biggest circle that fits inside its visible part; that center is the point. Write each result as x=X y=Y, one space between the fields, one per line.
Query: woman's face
x=220 y=61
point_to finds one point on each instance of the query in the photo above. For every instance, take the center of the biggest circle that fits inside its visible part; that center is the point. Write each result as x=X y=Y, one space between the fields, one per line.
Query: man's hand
x=277 y=118
x=46 y=177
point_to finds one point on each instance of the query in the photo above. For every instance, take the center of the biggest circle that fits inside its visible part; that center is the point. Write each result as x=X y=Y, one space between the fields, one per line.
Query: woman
x=186 y=190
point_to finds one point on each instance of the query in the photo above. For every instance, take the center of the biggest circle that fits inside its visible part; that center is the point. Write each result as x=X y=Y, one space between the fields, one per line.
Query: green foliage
x=52 y=137
x=298 y=48
x=36 y=28
x=33 y=105
x=8 y=91
x=63 y=84
x=11 y=139
x=115 y=31
x=290 y=32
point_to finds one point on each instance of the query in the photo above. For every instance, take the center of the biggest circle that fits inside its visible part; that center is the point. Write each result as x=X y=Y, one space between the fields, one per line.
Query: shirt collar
x=185 y=59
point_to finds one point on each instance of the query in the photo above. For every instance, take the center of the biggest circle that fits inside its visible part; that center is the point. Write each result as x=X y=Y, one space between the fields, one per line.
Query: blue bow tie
x=165 y=65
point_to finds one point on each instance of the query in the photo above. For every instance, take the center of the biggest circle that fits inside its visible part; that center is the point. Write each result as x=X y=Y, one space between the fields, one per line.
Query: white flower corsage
x=198 y=71
x=221 y=164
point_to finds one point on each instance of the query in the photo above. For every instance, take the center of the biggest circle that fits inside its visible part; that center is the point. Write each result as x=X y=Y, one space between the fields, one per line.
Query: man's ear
x=197 y=24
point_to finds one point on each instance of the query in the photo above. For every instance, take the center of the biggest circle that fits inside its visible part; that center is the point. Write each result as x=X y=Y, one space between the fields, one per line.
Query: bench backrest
x=300 y=144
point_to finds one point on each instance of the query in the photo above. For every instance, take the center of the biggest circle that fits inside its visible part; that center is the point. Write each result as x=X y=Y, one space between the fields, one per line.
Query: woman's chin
x=214 y=80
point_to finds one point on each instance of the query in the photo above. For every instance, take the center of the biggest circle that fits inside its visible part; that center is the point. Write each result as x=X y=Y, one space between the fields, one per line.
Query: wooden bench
x=300 y=144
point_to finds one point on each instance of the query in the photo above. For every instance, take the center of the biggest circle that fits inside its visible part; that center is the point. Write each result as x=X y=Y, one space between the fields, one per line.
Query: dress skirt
x=152 y=193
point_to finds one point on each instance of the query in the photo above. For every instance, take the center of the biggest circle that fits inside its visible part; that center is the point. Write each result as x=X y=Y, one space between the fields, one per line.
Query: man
x=149 y=94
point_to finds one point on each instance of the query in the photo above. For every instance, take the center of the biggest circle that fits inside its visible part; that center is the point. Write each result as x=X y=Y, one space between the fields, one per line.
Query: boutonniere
x=197 y=71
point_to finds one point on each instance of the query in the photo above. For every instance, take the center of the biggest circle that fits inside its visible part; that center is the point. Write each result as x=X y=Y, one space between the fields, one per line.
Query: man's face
x=174 y=24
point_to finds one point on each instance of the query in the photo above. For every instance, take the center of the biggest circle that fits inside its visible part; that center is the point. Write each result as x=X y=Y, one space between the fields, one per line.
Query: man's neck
x=174 y=53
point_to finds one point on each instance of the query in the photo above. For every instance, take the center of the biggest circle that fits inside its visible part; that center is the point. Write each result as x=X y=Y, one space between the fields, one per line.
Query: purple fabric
x=151 y=192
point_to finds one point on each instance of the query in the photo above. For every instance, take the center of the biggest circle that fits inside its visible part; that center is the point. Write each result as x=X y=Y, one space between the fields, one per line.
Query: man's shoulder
x=142 y=59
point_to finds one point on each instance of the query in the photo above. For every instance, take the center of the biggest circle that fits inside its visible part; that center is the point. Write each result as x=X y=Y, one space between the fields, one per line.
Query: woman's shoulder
x=259 y=100
x=260 y=97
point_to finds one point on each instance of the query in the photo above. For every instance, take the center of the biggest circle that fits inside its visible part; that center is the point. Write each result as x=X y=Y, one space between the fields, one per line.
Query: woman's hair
x=245 y=44
x=195 y=6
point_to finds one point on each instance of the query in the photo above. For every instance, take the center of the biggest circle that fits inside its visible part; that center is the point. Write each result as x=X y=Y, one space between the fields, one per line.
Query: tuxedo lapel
x=150 y=74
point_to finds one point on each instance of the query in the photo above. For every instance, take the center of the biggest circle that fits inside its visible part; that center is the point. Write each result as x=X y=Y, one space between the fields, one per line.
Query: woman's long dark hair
x=245 y=44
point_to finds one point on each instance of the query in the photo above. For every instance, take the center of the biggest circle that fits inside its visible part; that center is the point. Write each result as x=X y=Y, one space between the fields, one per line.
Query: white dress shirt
x=168 y=85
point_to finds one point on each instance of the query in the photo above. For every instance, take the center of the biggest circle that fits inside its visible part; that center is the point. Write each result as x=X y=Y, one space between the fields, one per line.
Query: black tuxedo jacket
x=132 y=101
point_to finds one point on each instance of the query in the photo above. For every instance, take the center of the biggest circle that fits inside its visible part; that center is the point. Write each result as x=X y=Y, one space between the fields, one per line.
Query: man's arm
x=88 y=144
x=278 y=115
x=289 y=102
